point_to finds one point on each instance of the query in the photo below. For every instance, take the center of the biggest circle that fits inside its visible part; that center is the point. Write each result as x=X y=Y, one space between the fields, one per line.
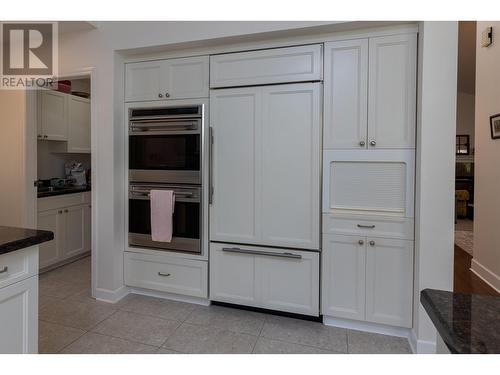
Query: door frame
x=31 y=157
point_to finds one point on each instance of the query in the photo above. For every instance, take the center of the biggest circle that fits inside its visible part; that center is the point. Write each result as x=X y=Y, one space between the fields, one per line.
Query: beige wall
x=465 y=116
x=486 y=260
x=12 y=123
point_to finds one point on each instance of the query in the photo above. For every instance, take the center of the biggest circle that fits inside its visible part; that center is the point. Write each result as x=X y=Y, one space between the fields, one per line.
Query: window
x=463 y=146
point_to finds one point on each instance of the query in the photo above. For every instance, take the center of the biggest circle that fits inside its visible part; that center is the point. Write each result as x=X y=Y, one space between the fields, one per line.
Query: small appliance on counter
x=76 y=173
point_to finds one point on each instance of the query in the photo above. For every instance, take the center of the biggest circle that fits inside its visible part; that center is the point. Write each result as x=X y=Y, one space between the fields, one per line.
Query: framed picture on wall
x=495 y=126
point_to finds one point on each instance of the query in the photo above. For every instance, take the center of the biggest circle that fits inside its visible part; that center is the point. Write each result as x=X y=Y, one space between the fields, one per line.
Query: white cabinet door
x=186 y=78
x=53 y=116
x=233 y=276
x=389 y=281
x=75 y=230
x=19 y=317
x=144 y=81
x=290 y=283
x=290 y=154
x=87 y=228
x=51 y=252
x=392 y=91
x=343 y=276
x=235 y=115
x=78 y=124
x=266 y=165
x=346 y=94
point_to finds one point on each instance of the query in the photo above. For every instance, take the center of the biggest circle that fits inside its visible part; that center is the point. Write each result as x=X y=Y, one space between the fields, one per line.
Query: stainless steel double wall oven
x=165 y=152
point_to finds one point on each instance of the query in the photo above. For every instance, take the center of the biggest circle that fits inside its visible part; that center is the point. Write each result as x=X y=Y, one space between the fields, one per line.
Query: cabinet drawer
x=278 y=65
x=61 y=201
x=373 y=226
x=167 y=274
x=276 y=279
x=18 y=265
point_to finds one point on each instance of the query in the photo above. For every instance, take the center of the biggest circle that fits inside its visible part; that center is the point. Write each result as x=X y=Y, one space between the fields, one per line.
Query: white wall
x=51 y=164
x=486 y=262
x=434 y=203
x=12 y=124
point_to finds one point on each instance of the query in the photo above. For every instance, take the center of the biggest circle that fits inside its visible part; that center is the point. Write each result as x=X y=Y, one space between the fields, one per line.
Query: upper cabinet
x=181 y=78
x=266 y=165
x=346 y=94
x=52 y=116
x=370 y=93
x=64 y=117
x=277 y=65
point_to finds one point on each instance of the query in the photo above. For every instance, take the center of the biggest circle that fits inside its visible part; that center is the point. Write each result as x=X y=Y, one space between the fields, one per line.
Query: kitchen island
x=466 y=323
x=19 y=288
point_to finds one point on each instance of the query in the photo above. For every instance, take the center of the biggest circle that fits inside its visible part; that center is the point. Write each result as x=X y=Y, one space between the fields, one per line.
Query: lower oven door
x=186 y=218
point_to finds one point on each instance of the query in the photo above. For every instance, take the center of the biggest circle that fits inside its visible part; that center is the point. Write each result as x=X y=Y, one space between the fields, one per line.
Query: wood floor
x=464 y=280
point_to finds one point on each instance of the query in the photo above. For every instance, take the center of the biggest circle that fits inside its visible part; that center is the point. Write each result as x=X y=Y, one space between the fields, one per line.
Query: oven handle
x=167 y=125
x=147 y=194
x=260 y=252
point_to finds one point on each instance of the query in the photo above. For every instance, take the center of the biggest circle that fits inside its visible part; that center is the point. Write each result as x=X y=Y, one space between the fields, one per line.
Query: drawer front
x=18 y=265
x=167 y=274
x=276 y=279
x=61 y=201
x=373 y=226
x=278 y=65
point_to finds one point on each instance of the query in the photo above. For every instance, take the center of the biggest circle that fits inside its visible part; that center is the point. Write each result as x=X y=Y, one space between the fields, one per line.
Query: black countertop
x=12 y=239
x=61 y=191
x=467 y=323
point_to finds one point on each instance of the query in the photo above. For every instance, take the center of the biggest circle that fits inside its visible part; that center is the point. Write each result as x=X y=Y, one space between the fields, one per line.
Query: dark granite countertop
x=467 y=323
x=12 y=239
x=61 y=191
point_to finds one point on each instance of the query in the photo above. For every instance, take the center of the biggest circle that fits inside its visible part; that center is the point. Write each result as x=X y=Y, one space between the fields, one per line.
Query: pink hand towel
x=162 y=209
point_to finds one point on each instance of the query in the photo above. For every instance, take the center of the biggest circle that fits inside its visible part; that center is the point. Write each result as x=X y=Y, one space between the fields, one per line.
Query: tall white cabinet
x=368 y=179
x=266 y=170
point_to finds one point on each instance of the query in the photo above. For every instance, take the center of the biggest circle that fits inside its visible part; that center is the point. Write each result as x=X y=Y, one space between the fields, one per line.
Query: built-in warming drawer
x=270 y=278
x=365 y=225
x=18 y=265
x=167 y=274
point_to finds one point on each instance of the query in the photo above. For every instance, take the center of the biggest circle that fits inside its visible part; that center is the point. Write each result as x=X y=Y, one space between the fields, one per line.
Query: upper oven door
x=165 y=146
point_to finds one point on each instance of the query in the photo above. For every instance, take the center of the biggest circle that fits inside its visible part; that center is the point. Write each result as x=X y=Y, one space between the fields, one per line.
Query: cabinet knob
x=372 y=243
x=66 y=211
x=160 y=95
x=59 y=212
x=39 y=136
x=362 y=143
x=373 y=143
x=45 y=136
x=167 y=95
x=361 y=242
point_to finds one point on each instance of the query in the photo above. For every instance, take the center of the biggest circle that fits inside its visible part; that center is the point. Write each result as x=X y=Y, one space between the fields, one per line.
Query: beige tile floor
x=71 y=321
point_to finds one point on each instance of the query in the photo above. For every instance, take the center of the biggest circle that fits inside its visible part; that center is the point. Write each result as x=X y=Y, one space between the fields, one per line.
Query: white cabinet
x=275 y=65
x=52 y=116
x=346 y=94
x=19 y=301
x=19 y=317
x=51 y=251
x=368 y=278
x=276 y=279
x=64 y=117
x=343 y=276
x=392 y=91
x=266 y=166
x=78 y=125
x=166 y=273
x=389 y=281
x=181 y=78
x=370 y=93
x=69 y=218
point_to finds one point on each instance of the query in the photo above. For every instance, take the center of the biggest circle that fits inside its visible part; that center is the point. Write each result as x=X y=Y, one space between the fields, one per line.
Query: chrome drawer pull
x=366 y=226
x=4 y=270
x=163 y=274
x=259 y=252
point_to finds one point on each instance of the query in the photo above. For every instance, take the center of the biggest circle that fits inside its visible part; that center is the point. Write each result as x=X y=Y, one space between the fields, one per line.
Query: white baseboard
x=171 y=296
x=421 y=346
x=486 y=275
x=111 y=296
x=366 y=326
